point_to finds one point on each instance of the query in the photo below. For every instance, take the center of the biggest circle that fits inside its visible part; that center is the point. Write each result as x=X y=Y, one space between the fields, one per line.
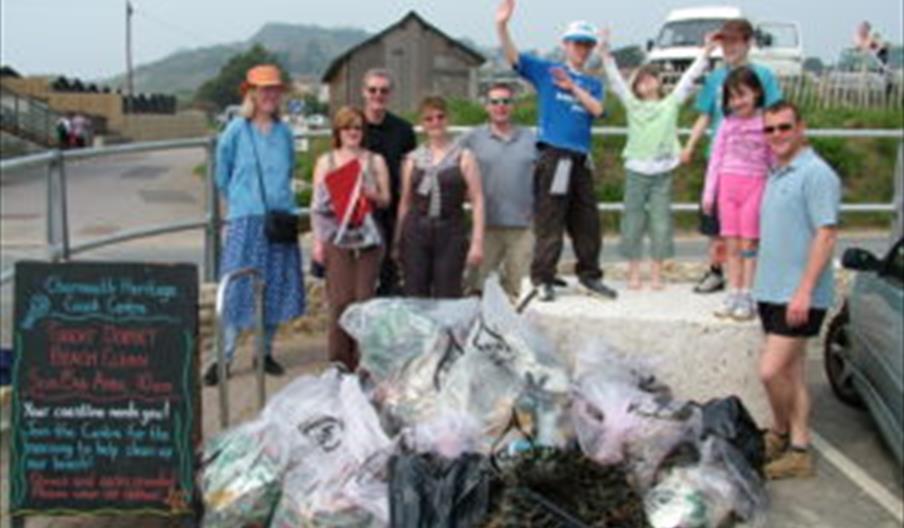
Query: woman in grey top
x=347 y=241
x=436 y=179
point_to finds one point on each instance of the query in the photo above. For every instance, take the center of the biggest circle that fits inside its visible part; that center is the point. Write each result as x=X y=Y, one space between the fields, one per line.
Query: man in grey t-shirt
x=506 y=154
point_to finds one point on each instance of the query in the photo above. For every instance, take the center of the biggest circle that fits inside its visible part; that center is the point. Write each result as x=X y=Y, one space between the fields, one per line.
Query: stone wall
x=150 y=127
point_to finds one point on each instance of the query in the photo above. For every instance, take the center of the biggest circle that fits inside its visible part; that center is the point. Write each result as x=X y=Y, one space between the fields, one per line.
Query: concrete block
x=672 y=331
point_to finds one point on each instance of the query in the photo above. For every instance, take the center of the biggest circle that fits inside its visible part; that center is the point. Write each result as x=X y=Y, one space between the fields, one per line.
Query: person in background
x=870 y=42
x=735 y=179
x=391 y=137
x=506 y=154
x=736 y=39
x=569 y=100
x=347 y=240
x=794 y=286
x=63 y=130
x=255 y=164
x=432 y=235
x=651 y=154
x=79 y=130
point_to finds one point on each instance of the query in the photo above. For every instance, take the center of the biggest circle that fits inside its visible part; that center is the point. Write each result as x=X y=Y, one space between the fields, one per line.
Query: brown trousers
x=351 y=276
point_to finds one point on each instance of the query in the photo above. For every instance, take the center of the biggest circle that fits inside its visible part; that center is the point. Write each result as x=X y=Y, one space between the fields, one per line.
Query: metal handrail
x=55 y=162
x=132 y=148
x=134 y=234
x=258 y=288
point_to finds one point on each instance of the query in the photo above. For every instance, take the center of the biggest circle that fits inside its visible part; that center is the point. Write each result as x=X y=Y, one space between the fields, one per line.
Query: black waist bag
x=281 y=227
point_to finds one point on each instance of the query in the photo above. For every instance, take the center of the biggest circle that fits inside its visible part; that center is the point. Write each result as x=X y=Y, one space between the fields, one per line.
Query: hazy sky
x=86 y=37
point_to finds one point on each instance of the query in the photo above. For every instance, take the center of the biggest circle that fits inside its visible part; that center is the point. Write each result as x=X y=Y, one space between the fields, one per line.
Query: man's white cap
x=580 y=31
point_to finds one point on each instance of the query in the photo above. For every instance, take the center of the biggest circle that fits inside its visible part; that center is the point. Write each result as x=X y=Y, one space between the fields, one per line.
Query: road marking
x=878 y=492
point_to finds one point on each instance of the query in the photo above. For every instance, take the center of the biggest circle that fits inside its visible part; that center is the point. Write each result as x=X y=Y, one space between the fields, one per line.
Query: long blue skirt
x=247 y=246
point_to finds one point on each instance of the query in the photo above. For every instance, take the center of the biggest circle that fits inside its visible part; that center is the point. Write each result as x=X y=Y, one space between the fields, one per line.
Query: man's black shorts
x=709 y=223
x=773 y=318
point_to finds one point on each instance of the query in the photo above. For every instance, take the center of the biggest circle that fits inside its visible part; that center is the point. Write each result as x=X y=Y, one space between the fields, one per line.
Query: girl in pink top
x=735 y=179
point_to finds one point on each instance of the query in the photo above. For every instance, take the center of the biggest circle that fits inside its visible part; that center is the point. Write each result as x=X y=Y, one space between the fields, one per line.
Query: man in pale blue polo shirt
x=793 y=285
x=506 y=154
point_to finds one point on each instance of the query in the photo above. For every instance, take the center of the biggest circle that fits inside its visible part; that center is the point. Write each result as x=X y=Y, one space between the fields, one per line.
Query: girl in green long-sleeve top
x=651 y=154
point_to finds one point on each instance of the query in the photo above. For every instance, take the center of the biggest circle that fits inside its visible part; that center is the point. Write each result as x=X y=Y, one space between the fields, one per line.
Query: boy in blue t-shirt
x=564 y=199
x=736 y=38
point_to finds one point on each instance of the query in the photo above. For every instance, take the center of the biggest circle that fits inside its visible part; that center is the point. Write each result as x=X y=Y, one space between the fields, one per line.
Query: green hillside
x=304 y=49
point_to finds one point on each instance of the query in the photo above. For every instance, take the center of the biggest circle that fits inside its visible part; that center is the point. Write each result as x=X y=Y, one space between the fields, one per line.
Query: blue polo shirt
x=237 y=170
x=709 y=99
x=563 y=120
x=799 y=198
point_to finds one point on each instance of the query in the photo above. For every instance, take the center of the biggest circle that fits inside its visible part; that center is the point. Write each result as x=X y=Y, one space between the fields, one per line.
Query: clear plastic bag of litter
x=505 y=363
x=619 y=418
x=449 y=434
x=355 y=500
x=718 y=490
x=333 y=427
x=335 y=437
x=392 y=332
x=242 y=474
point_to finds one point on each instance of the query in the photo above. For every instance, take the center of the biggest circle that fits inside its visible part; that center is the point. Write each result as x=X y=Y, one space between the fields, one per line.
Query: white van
x=777 y=44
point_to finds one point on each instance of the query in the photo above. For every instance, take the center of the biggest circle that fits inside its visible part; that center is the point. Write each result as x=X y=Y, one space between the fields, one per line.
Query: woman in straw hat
x=255 y=163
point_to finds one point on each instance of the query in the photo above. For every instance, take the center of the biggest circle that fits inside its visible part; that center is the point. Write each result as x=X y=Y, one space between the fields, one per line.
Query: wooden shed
x=423 y=60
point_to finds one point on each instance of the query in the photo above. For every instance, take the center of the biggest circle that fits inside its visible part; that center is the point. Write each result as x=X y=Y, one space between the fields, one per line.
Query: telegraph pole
x=130 y=87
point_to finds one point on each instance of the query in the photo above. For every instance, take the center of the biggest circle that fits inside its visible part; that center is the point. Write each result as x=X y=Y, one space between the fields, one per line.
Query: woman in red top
x=349 y=182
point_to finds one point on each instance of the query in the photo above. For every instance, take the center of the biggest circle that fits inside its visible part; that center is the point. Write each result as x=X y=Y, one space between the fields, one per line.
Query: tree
x=814 y=65
x=223 y=90
x=629 y=56
x=312 y=105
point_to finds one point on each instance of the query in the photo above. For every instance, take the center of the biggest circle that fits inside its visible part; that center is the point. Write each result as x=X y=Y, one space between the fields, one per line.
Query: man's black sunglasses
x=782 y=127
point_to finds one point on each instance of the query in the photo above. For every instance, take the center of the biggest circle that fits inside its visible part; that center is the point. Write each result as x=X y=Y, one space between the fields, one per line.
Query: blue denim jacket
x=237 y=170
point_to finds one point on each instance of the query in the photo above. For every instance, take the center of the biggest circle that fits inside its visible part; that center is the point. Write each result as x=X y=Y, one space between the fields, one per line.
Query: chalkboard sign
x=105 y=393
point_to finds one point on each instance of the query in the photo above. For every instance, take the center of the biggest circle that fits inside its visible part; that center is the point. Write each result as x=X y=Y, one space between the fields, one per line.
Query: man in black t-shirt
x=392 y=137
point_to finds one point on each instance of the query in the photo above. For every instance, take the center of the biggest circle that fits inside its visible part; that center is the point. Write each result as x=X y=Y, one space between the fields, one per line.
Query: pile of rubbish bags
x=463 y=415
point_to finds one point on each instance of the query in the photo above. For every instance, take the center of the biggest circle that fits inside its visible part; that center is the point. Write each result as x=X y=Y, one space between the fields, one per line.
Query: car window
x=777 y=36
x=894 y=267
x=686 y=32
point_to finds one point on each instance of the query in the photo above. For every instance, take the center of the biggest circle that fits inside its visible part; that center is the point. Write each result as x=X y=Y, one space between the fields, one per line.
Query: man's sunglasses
x=772 y=129
x=382 y=90
x=501 y=101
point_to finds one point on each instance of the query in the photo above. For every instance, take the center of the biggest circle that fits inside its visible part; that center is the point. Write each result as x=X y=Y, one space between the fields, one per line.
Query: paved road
x=130 y=191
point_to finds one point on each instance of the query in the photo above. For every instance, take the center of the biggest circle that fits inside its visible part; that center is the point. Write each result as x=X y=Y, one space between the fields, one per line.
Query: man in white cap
x=564 y=198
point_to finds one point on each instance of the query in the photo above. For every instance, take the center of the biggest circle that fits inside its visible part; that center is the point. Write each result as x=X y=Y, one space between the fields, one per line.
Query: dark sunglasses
x=772 y=129
x=501 y=101
x=382 y=90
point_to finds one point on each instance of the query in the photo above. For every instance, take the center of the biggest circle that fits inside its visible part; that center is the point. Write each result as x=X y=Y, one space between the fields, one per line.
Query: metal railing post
x=898 y=225
x=212 y=231
x=18 y=117
x=57 y=216
x=219 y=338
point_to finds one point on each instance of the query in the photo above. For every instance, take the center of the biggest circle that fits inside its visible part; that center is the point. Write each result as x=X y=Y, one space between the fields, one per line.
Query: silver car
x=864 y=346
